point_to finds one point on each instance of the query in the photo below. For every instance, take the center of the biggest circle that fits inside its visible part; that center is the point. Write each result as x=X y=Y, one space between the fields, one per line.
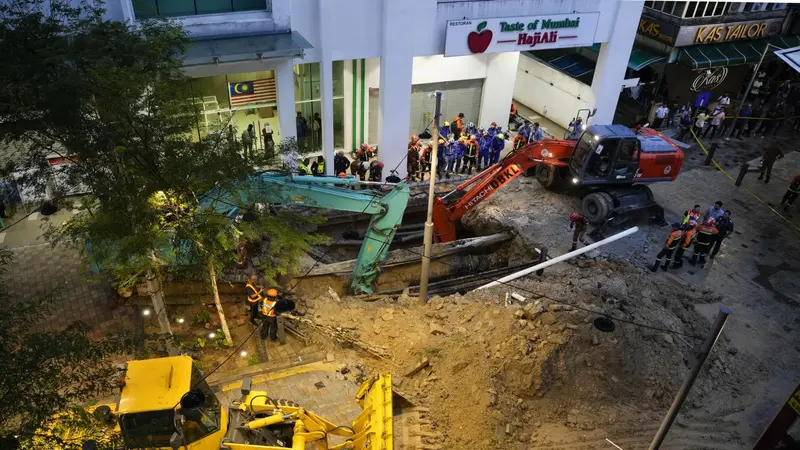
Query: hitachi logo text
x=499 y=180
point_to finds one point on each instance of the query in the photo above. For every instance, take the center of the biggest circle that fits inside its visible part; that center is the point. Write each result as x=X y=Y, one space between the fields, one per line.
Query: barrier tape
x=796 y=228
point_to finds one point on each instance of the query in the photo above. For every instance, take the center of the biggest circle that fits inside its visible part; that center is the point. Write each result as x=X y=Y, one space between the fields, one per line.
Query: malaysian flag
x=256 y=91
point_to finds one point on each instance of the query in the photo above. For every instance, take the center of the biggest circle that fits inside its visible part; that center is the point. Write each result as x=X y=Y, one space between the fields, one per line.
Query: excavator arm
x=323 y=192
x=471 y=193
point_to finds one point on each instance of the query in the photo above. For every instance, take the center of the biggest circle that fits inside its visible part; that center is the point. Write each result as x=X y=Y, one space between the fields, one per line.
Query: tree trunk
x=213 y=275
x=159 y=308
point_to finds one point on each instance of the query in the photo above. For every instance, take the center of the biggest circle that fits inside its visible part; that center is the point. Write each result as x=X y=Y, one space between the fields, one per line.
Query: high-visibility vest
x=674 y=240
x=268 y=306
x=321 y=167
x=472 y=149
x=256 y=297
x=303 y=169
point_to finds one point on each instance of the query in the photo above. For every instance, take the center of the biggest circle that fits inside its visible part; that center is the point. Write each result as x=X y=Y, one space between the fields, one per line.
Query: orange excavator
x=609 y=167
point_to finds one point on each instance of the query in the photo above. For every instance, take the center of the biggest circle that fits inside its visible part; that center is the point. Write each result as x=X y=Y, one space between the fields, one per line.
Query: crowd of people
x=700 y=232
x=464 y=147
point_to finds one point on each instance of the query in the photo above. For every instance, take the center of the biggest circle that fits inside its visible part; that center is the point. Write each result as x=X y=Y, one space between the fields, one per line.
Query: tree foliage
x=44 y=374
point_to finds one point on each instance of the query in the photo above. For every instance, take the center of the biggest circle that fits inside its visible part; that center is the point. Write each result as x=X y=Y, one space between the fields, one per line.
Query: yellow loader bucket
x=387 y=420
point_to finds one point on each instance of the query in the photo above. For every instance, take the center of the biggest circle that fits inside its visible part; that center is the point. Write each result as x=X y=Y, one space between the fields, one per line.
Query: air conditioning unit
x=761 y=6
x=736 y=7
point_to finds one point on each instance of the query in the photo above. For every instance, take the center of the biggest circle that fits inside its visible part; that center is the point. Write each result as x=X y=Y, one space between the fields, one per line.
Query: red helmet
x=574 y=216
x=494 y=124
x=364 y=147
x=414 y=138
x=709 y=221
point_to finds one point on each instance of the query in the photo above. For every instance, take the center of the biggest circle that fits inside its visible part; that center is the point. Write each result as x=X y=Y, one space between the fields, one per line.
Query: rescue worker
x=670 y=246
x=702 y=244
x=414 y=141
x=689 y=230
x=449 y=157
x=525 y=130
x=340 y=162
x=457 y=127
x=715 y=211
x=471 y=153
x=725 y=227
x=248 y=136
x=254 y=293
x=519 y=141
x=426 y=160
x=376 y=171
x=302 y=167
x=483 y=151
x=461 y=150
x=579 y=223
x=512 y=115
x=269 y=320
x=498 y=144
x=441 y=163
x=412 y=162
x=791 y=193
x=536 y=133
x=444 y=130
x=692 y=214
x=318 y=167
x=492 y=130
x=364 y=153
x=471 y=129
x=772 y=154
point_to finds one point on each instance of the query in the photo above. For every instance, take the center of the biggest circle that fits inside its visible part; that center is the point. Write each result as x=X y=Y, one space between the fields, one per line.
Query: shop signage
x=472 y=36
x=708 y=79
x=658 y=30
x=727 y=32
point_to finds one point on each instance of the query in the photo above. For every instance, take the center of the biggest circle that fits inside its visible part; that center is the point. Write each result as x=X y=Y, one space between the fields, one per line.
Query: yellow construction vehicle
x=166 y=403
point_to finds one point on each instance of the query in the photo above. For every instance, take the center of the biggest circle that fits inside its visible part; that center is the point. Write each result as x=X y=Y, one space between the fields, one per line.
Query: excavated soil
x=537 y=374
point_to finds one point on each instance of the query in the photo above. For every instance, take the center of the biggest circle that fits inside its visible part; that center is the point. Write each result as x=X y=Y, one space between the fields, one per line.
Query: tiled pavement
x=41 y=270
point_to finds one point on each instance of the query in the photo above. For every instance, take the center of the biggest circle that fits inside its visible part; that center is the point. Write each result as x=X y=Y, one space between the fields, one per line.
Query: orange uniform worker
x=254 y=296
x=269 y=320
x=672 y=243
x=457 y=126
x=519 y=141
x=689 y=231
x=706 y=234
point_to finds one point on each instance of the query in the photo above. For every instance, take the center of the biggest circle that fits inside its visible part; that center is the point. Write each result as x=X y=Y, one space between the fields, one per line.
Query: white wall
x=498 y=89
x=437 y=68
x=562 y=101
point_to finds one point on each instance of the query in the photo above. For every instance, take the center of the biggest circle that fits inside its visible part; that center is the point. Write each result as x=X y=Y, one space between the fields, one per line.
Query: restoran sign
x=515 y=34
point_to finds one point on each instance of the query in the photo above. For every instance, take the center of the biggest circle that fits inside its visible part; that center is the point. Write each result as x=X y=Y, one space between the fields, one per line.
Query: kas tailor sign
x=517 y=34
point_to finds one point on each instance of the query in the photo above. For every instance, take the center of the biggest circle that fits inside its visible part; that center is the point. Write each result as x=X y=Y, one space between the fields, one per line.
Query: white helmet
x=471 y=125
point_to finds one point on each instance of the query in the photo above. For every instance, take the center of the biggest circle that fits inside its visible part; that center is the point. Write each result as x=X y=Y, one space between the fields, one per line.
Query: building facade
x=702 y=50
x=336 y=74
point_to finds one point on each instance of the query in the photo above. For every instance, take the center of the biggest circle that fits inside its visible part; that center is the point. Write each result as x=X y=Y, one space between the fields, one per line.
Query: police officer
x=254 y=296
x=269 y=320
x=725 y=227
x=670 y=246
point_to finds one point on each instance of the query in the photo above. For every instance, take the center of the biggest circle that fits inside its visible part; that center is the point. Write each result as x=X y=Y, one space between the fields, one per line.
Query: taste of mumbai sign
x=515 y=34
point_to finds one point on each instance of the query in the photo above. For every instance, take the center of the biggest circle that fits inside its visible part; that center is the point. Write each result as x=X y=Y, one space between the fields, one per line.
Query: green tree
x=113 y=99
x=44 y=374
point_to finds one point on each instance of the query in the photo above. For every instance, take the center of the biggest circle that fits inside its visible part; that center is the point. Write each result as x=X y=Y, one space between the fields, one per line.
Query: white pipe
x=563 y=257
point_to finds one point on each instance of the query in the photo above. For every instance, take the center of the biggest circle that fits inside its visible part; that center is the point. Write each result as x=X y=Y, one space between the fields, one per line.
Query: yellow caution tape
x=796 y=228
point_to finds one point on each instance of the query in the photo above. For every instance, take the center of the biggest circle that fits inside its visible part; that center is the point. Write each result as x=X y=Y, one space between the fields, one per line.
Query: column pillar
x=498 y=89
x=397 y=63
x=326 y=86
x=612 y=62
x=284 y=74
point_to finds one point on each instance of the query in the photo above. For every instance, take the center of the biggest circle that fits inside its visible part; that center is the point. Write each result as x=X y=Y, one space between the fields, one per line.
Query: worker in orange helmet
x=414 y=142
x=673 y=241
x=706 y=234
x=457 y=126
x=579 y=223
x=470 y=155
x=269 y=319
x=425 y=160
x=412 y=161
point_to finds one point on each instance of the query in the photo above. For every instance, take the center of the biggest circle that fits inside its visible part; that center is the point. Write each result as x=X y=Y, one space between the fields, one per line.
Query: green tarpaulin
x=732 y=53
x=639 y=58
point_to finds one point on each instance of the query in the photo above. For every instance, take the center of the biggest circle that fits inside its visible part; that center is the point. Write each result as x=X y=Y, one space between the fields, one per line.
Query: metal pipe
x=428 y=237
x=699 y=359
x=558 y=259
x=740 y=102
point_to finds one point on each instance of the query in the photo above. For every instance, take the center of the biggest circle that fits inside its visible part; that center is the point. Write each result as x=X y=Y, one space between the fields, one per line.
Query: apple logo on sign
x=479 y=42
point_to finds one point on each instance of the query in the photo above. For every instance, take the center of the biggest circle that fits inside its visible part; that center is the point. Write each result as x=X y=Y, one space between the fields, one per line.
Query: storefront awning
x=732 y=53
x=639 y=59
x=248 y=48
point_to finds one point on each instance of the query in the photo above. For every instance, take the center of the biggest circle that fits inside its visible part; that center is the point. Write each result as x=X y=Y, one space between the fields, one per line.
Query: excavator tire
x=597 y=206
x=546 y=175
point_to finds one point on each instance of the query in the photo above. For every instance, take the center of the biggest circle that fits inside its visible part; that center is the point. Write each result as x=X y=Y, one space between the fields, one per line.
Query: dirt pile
x=534 y=371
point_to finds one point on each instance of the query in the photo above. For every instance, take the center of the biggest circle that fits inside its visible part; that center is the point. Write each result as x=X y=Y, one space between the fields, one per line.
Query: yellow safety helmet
x=272 y=292
x=446 y=123
x=441 y=141
x=461 y=139
x=472 y=137
x=500 y=135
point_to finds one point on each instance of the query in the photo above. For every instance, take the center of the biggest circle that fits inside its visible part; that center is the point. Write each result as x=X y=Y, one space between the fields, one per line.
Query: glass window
x=719 y=9
x=338 y=122
x=150 y=429
x=145 y=9
x=658 y=6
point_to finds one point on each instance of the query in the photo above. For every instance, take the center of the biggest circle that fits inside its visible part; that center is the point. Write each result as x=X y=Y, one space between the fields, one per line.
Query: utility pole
x=699 y=359
x=428 y=238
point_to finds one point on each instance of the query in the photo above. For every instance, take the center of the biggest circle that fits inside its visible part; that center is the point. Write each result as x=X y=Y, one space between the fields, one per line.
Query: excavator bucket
x=388 y=421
